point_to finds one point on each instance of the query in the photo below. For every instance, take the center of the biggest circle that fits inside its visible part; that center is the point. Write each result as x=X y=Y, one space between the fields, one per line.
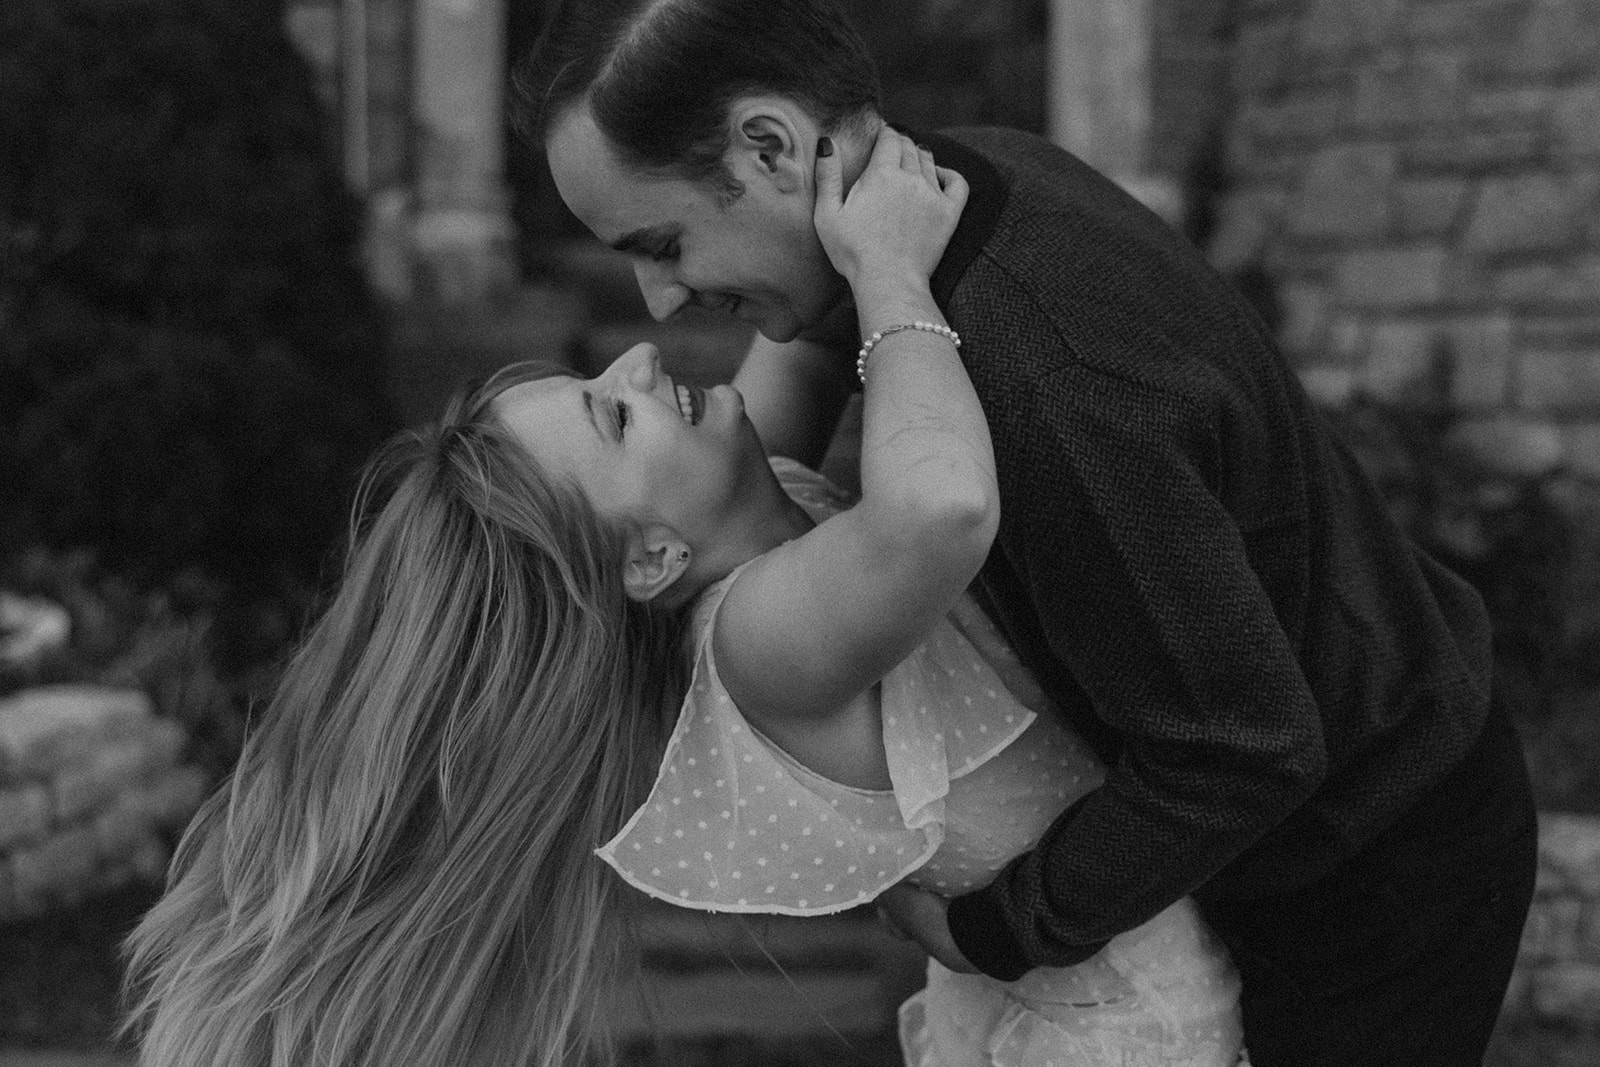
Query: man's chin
x=834 y=320
x=779 y=332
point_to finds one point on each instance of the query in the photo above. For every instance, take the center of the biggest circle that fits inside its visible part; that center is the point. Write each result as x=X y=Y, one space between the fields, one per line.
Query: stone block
x=1474 y=152
x=149 y=861
x=1547 y=40
x=1565 y=282
x=1261 y=48
x=1339 y=27
x=1330 y=386
x=119 y=832
x=1558 y=381
x=115 y=767
x=1517 y=449
x=1518 y=107
x=1309 y=118
x=1305 y=306
x=1570 y=333
x=1349 y=339
x=1551 y=932
x=1479 y=350
x=1577 y=121
x=1245 y=224
x=1445 y=21
x=1530 y=213
x=43 y=727
x=1393 y=278
x=1430 y=207
x=1582 y=444
x=147 y=864
x=1568 y=991
x=722 y=1002
x=1588 y=948
x=56 y=872
x=1571 y=845
x=24 y=814
x=1345 y=195
x=1424 y=90
x=169 y=799
x=1403 y=359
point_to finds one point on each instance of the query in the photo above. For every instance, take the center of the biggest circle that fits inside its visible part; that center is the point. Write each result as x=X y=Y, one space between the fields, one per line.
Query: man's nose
x=640 y=365
x=663 y=294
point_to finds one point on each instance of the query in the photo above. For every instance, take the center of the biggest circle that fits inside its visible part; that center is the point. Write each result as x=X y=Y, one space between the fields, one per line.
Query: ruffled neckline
x=734 y=823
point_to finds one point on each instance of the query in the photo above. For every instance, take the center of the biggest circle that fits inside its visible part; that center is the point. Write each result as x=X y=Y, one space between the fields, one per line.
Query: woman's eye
x=665 y=253
x=622 y=417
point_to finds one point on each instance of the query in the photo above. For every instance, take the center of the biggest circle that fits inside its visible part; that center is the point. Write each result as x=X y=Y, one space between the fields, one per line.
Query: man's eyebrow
x=643 y=239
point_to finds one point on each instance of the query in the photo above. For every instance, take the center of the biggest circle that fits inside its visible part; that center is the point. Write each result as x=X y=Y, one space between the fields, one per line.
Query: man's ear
x=767 y=134
x=657 y=557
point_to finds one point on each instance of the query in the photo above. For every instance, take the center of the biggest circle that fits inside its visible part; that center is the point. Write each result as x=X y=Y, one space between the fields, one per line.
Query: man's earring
x=683 y=555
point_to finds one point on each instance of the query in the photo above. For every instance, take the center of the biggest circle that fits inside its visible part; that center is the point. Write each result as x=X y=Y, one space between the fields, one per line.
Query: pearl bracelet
x=870 y=343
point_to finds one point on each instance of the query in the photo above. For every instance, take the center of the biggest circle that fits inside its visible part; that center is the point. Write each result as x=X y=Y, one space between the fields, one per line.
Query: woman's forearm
x=927 y=464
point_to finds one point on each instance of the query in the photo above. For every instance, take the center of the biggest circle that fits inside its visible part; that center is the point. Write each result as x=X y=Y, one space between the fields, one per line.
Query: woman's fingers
x=830 y=175
x=954 y=185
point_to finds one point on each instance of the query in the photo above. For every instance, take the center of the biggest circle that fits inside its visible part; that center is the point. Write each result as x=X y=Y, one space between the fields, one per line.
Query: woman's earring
x=683 y=555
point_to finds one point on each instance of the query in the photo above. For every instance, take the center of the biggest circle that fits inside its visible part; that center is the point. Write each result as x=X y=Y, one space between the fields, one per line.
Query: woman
x=401 y=870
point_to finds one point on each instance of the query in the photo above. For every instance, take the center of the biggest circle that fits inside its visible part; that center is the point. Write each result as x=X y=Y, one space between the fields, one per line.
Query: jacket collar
x=986 y=198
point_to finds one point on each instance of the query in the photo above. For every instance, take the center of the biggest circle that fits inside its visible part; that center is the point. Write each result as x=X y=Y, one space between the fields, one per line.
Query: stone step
x=831 y=983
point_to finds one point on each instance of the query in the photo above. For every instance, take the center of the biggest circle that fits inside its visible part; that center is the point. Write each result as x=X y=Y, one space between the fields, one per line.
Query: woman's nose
x=639 y=366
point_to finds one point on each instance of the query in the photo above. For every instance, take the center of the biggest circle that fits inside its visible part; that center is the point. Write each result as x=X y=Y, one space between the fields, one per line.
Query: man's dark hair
x=659 y=75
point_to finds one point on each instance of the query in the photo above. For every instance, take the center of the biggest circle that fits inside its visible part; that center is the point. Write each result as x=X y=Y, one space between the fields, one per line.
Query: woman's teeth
x=686 y=404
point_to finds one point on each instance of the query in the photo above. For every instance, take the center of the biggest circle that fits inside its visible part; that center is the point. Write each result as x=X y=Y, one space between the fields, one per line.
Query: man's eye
x=665 y=253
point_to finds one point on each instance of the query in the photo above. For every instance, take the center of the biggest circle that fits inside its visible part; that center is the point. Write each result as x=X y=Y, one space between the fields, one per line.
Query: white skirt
x=1162 y=995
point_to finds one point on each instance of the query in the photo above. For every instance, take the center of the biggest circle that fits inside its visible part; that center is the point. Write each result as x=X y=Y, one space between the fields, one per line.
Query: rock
x=43 y=728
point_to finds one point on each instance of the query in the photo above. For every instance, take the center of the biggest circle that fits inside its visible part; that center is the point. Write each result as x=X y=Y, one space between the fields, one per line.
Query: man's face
x=756 y=257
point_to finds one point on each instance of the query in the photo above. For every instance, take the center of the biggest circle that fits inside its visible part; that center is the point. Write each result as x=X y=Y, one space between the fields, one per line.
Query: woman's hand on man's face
x=892 y=225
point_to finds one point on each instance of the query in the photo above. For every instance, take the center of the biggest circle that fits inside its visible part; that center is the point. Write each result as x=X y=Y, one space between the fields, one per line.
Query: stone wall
x=1419 y=181
x=1555 y=991
x=91 y=789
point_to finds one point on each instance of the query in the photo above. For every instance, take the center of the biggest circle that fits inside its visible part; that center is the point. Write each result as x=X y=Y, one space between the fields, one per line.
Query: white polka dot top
x=734 y=823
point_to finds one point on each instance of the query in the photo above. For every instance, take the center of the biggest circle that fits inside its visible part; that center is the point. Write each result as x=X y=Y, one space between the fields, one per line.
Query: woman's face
x=641 y=447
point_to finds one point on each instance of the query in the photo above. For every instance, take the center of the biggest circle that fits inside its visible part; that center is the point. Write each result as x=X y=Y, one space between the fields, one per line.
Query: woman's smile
x=691 y=402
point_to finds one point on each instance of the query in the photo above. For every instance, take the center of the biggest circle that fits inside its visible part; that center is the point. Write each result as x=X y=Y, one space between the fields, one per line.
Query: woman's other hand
x=920 y=916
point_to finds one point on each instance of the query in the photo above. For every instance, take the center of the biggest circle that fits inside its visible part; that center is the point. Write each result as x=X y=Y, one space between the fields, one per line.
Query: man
x=1293 y=702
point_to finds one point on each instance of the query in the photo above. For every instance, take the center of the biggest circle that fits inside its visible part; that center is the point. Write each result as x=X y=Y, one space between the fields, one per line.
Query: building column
x=463 y=235
x=1101 y=93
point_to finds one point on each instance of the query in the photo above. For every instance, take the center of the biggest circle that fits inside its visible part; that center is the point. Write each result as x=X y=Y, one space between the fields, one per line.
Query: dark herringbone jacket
x=1196 y=569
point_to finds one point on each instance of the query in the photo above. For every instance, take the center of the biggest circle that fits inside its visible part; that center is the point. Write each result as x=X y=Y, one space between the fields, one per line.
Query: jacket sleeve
x=1142 y=584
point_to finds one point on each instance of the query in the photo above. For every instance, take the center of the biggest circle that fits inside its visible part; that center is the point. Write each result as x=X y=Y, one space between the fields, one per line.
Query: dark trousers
x=1402 y=956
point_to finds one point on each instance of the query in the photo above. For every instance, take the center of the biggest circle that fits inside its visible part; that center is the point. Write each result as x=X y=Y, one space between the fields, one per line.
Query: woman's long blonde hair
x=400 y=870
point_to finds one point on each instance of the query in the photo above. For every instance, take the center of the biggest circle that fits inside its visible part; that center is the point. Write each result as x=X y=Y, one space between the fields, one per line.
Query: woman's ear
x=767 y=135
x=657 y=558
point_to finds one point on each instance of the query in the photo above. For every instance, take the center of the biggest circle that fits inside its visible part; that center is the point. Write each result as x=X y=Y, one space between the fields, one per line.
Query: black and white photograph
x=799 y=533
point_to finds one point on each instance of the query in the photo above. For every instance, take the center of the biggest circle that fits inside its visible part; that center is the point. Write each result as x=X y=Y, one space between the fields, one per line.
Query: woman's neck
x=772 y=518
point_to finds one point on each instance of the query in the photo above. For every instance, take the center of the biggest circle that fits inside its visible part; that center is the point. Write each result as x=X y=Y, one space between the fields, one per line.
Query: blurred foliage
x=1529 y=542
x=203 y=652
x=190 y=360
